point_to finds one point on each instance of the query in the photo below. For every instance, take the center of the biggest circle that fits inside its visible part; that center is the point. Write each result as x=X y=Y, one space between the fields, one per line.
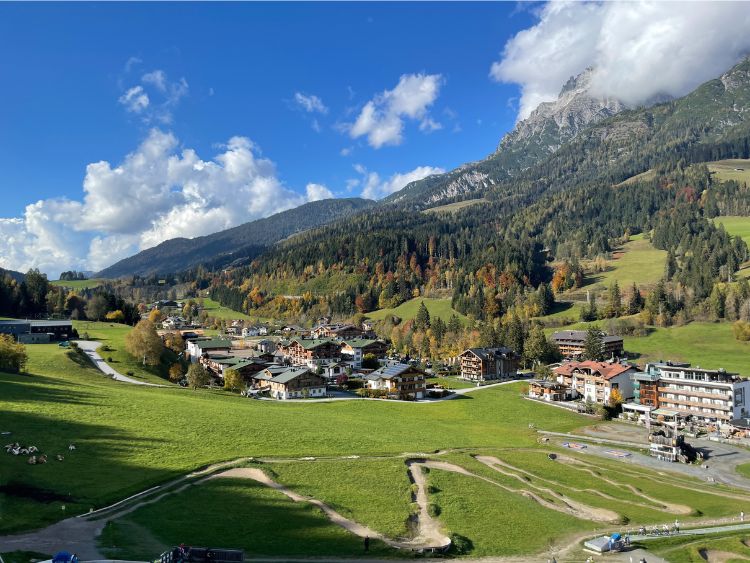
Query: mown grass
x=129 y=438
x=453 y=207
x=79 y=284
x=112 y=336
x=736 y=226
x=495 y=521
x=264 y=523
x=691 y=549
x=640 y=263
x=376 y=493
x=408 y=310
x=709 y=345
x=451 y=382
x=725 y=170
x=218 y=311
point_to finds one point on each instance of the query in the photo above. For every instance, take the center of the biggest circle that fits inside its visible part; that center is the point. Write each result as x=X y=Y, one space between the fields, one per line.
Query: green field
x=639 y=262
x=218 y=311
x=79 y=284
x=736 y=226
x=453 y=207
x=729 y=548
x=725 y=170
x=408 y=310
x=113 y=336
x=709 y=345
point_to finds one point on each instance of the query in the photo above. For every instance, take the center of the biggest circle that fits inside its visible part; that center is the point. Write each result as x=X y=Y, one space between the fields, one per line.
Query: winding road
x=89 y=348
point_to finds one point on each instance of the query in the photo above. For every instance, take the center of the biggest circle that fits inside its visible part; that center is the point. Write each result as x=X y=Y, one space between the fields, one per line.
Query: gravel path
x=89 y=348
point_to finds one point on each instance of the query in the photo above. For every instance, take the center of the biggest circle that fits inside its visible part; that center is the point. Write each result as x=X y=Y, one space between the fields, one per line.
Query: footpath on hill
x=89 y=348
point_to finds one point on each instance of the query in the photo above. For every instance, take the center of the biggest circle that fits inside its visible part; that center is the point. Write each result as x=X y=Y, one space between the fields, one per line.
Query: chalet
x=265 y=346
x=333 y=370
x=354 y=349
x=573 y=342
x=219 y=363
x=336 y=331
x=173 y=323
x=483 y=364
x=199 y=346
x=402 y=381
x=549 y=390
x=297 y=383
x=313 y=351
x=595 y=381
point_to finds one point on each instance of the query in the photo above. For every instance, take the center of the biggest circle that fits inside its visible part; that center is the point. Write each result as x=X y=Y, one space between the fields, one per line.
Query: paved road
x=89 y=348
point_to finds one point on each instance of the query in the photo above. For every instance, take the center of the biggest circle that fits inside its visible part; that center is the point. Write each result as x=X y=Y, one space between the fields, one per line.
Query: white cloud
x=159 y=101
x=381 y=119
x=135 y=99
x=158 y=192
x=374 y=187
x=131 y=62
x=310 y=103
x=639 y=50
x=156 y=78
x=316 y=192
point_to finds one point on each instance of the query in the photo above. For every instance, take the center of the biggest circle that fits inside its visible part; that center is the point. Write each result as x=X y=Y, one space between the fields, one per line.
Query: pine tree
x=635 y=303
x=593 y=345
x=423 y=317
x=614 y=305
x=454 y=324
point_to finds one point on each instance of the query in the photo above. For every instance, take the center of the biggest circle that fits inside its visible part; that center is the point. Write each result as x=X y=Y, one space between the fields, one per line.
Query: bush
x=741 y=331
x=460 y=545
x=433 y=510
x=106 y=348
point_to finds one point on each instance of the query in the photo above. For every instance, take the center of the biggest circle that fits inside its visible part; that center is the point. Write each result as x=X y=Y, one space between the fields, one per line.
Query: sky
x=125 y=124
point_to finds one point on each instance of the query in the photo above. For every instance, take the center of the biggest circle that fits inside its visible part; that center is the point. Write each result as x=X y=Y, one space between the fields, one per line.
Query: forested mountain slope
x=242 y=242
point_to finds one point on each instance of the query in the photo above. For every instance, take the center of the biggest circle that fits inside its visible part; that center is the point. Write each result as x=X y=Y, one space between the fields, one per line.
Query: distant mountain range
x=18 y=276
x=578 y=138
x=236 y=244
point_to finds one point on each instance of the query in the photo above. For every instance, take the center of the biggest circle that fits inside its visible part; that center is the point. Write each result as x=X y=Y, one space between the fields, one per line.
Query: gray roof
x=389 y=372
x=35 y=323
x=484 y=353
x=289 y=375
x=580 y=335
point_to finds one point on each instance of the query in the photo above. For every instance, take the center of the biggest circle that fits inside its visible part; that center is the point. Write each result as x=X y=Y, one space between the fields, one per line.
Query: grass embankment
x=264 y=522
x=408 y=310
x=113 y=335
x=686 y=549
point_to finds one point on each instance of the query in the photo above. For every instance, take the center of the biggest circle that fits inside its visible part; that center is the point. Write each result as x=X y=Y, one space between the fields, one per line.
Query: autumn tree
x=175 y=372
x=615 y=398
x=233 y=380
x=97 y=307
x=155 y=316
x=198 y=376
x=115 y=316
x=144 y=342
x=13 y=355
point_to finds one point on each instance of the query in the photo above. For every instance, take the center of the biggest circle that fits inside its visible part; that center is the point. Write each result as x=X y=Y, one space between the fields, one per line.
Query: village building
x=312 y=352
x=573 y=342
x=336 y=331
x=219 y=362
x=546 y=390
x=333 y=370
x=708 y=395
x=37 y=332
x=484 y=364
x=297 y=383
x=199 y=346
x=595 y=381
x=173 y=323
x=265 y=346
x=402 y=381
x=354 y=349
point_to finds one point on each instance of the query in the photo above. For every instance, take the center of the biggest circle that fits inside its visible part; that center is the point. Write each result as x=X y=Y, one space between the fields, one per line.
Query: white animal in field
x=71 y=447
x=33 y=449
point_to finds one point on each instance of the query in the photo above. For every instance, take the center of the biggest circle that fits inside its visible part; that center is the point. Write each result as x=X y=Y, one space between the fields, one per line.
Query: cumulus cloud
x=135 y=99
x=381 y=119
x=375 y=187
x=157 y=78
x=639 y=50
x=158 y=192
x=316 y=192
x=310 y=103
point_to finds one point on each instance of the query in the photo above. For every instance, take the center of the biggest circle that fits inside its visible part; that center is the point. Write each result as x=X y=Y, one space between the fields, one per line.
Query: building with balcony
x=483 y=364
x=595 y=381
x=573 y=342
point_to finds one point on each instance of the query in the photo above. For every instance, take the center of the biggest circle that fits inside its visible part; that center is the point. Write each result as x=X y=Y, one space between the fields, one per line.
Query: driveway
x=89 y=348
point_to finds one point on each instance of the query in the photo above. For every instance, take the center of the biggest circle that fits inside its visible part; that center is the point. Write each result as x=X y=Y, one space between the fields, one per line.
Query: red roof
x=604 y=369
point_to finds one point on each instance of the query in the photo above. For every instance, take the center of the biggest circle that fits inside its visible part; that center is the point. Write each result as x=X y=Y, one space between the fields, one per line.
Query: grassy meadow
x=453 y=207
x=725 y=170
x=408 y=310
x=218 y=311
x=637 y=261
x=79 y=284
x=736 y=226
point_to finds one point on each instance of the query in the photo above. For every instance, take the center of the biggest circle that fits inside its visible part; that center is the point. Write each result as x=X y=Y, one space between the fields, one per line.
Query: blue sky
x=66 y=65
x=126 y=124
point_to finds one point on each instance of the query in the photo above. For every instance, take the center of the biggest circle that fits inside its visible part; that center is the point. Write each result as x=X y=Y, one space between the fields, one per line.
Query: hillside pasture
x=79 y=284
x=453 y=207
x=736 y=226
x=218 y=311
x=736 y=169
x=438 y=308
x=636 y=261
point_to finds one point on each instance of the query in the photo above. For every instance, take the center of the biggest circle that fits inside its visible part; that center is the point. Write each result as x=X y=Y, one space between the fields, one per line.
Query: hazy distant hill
x=18 y=276
x=242 y=242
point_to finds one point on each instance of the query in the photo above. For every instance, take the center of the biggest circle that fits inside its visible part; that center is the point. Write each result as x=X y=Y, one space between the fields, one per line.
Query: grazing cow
x=32 y=460
x=71 y=447
x=42 y=459
x=59 y=457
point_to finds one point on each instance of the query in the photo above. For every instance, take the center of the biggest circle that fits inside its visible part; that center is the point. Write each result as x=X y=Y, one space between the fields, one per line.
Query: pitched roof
x=389 y=372
x=312 y=343
x=289 y=375
x=213 y=343
x=484 y=353
x=580 y=336
x=606 y=370
x=360 y=342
